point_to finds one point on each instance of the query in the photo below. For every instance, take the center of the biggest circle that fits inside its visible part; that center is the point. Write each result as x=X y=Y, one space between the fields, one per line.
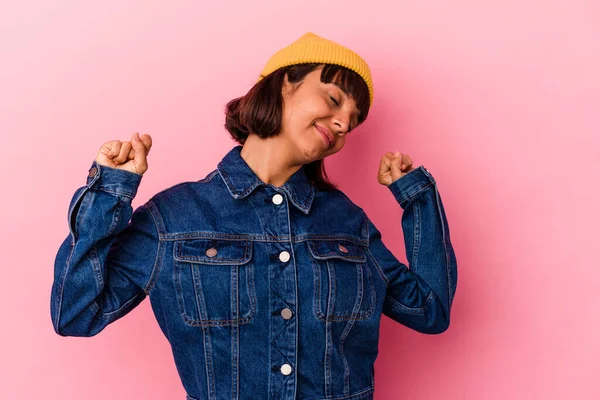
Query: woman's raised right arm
x=107 y=264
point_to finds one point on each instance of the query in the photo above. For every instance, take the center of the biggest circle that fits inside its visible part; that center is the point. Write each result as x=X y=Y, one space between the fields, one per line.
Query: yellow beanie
x=310 y=48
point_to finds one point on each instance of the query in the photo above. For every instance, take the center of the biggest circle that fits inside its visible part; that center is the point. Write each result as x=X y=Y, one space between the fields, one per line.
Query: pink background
x=499 y=100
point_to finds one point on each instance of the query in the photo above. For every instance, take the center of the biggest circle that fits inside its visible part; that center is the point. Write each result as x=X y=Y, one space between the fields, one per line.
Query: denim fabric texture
x=263 y=292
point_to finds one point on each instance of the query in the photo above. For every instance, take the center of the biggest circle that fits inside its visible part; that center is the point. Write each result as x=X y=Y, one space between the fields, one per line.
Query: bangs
x=351 y=83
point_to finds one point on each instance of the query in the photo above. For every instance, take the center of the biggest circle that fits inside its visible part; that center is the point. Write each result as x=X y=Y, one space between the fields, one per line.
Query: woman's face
x=316 y=106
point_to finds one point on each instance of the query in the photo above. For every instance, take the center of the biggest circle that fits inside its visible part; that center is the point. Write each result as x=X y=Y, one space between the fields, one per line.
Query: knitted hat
x=310 y=48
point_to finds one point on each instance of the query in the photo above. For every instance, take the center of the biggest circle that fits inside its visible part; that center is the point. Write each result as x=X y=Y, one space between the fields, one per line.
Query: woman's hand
x=393 y=166
x=128 y=156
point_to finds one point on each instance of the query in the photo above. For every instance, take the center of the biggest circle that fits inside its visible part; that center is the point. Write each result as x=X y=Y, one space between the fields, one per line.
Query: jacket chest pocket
x=343 y=283
x=214 y=281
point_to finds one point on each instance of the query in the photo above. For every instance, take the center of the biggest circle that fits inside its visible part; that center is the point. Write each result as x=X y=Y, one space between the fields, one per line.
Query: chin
x=312 y=152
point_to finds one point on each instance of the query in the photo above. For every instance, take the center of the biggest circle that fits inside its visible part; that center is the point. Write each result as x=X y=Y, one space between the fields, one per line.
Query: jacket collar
x=241 y=180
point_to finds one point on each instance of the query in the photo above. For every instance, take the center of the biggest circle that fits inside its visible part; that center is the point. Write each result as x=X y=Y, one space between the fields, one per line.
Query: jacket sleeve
x=106 y=265
x=420 y=297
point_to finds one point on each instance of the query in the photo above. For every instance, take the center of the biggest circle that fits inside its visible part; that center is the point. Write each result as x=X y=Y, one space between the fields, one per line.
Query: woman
x=268 y=282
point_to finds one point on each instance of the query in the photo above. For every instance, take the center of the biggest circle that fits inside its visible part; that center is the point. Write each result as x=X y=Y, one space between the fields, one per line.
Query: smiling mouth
x=325 y=138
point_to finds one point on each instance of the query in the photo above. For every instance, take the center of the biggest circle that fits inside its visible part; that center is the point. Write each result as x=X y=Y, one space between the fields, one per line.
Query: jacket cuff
x=410 y=184
x=113 y=180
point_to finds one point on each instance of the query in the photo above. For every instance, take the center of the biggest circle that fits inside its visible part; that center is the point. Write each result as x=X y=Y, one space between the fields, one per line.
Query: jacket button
x=286 y=313
x=284 y=256
x=342 y=248
x=211 y=252
x=277 y=199
x=286 y=369
x=93 y=171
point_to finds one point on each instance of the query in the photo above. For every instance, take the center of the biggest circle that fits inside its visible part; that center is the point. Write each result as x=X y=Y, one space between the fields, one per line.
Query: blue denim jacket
x=263 y=292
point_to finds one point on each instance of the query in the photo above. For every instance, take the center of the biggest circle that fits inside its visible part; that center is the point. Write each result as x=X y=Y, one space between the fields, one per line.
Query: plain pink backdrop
x=500 y=100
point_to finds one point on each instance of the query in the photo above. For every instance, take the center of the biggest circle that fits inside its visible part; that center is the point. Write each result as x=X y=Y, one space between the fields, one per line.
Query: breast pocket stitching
x=214 y=281
x=343 y=282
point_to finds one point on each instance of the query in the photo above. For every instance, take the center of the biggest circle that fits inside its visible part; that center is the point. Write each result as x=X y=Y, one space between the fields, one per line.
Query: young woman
x=267 y=280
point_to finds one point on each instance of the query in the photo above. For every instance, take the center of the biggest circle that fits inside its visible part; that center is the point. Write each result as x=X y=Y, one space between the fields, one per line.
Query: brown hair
x=260 y=110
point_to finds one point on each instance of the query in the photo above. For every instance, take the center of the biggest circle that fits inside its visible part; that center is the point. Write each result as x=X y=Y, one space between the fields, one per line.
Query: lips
x=328 y=136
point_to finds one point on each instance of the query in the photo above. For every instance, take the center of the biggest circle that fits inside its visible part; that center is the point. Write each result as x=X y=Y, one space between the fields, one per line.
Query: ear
x=286 y=87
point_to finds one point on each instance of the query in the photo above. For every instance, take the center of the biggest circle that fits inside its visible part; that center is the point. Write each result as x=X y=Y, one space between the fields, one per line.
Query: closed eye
x=334 y=100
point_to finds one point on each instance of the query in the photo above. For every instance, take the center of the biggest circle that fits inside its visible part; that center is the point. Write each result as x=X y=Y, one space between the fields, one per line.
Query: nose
x=342 y=121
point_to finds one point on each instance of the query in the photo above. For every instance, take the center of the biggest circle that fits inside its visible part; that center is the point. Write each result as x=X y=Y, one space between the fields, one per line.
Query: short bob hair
x=260 y=110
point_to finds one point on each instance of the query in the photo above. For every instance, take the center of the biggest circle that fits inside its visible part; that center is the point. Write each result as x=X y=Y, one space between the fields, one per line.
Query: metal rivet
x=284 y=256
x=93 y=171
x=286 y=313
x=286 y=369
x=277 y=199
x=211 y=252
x=342 y=248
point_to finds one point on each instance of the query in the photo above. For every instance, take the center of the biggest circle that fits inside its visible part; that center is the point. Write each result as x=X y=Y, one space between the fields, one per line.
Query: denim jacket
x=263 y=292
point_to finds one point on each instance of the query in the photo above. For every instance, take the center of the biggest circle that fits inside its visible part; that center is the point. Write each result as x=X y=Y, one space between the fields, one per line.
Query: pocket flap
x=213 y=251
x=341 y=249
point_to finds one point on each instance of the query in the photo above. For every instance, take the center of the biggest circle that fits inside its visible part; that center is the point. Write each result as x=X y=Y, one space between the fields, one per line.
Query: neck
x=271 y=159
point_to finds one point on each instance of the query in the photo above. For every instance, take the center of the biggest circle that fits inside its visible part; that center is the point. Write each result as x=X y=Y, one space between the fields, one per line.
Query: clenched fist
x=393 y=166
x=128 y=156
